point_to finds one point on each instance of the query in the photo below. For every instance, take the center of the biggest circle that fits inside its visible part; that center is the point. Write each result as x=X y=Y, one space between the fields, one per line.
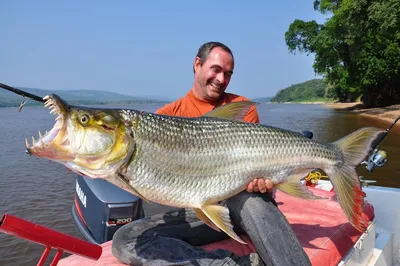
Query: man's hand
x=260 y=185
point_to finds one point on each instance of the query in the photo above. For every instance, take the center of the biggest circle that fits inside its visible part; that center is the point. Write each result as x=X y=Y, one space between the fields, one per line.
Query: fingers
x=250 y=187
x=260 y=185
x=269 y=185
x=253 y=186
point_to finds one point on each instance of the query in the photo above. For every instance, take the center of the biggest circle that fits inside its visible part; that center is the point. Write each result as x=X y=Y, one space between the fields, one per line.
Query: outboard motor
x=101 y=208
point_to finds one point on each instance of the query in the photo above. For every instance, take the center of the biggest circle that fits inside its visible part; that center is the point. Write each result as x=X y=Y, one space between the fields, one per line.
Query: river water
x=42 y=191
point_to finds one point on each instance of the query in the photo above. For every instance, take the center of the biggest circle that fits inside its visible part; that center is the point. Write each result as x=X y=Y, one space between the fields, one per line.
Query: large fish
x=197 y=162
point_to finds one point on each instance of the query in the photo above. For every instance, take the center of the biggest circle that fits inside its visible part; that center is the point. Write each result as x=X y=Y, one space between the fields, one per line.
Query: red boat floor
x=320 y=225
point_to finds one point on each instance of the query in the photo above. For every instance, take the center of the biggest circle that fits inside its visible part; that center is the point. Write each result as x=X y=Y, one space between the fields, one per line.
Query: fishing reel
x=376 y=159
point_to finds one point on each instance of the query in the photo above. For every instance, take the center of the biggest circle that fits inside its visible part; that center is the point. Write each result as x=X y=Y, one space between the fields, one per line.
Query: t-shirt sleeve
x=252 y=115
x=167 y=109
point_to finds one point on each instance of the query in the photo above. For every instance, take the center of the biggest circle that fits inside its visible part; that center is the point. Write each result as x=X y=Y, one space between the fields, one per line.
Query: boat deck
x=320 y=225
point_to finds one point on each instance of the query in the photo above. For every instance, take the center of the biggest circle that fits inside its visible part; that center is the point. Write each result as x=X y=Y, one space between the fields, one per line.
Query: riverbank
x=388 y=113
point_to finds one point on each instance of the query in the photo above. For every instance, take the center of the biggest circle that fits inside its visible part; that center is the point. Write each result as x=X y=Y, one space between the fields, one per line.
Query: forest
x=314 y=90
x=357 y=49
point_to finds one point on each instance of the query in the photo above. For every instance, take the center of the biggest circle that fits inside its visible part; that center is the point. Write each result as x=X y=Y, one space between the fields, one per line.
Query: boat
x=325 y=234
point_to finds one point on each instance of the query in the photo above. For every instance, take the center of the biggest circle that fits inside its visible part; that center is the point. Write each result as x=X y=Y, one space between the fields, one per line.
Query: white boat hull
x=380 y=244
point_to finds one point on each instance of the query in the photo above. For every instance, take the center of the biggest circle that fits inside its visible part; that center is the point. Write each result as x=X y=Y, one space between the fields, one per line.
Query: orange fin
x=355 y=147
x=350 y=196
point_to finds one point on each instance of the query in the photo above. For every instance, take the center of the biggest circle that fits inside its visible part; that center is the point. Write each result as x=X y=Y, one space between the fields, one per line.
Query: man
x=172 y=238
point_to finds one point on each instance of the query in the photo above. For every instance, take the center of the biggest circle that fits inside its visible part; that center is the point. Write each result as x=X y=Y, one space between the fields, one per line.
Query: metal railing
x=49 y=238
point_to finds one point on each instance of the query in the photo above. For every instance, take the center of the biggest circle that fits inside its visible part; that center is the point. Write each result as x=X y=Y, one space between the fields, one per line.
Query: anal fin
x=219 y=215
x=295 y=188
x=200 y=214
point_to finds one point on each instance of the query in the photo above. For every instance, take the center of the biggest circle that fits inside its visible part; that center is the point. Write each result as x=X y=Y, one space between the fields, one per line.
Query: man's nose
x=221 y=77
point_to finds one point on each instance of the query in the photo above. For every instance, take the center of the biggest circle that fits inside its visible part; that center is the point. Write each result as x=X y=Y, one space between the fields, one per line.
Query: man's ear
x=196 y=64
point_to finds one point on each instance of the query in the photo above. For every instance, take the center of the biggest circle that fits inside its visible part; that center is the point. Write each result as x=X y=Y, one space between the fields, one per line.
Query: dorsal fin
x=232 y=111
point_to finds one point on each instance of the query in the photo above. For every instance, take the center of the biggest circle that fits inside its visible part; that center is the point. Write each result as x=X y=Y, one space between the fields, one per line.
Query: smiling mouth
x=57 y=107
x=218 y=87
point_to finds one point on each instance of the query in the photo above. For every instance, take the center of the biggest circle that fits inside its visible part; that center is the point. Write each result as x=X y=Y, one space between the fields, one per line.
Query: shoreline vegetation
x=316 y=91
x=386 y=113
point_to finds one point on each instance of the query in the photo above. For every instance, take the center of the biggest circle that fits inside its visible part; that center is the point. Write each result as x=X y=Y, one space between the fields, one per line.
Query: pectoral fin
x=219 y=215
x=122 y=179
x=200 y=214
x=232 y=111
x=295 y=188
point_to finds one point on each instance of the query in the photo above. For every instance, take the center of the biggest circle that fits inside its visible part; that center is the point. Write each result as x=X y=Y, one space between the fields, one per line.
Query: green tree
x=308 y=91
x=357 y=49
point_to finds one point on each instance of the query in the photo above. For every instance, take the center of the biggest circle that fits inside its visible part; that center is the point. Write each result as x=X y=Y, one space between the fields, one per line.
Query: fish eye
x=84 y=119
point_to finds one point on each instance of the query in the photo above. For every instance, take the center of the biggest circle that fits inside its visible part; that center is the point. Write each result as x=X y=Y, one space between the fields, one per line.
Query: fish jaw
x=53 y=144
x=51 y=151
x=91 y=142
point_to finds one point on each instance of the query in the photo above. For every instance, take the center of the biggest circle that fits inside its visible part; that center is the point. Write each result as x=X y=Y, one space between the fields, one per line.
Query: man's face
x=212 y=78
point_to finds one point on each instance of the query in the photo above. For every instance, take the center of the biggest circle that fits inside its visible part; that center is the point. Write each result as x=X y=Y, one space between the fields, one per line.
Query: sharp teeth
x=65 y=141
x=53 y=111
x=27 y=143
x=33 y=140
x=40 y=135
x=48 y=103
x=46 y=97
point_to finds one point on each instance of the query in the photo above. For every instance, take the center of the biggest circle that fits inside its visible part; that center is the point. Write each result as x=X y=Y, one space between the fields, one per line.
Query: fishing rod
x=24 y=94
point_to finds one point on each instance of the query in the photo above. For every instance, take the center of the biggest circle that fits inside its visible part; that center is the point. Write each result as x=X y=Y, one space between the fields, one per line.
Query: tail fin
x=346 y=183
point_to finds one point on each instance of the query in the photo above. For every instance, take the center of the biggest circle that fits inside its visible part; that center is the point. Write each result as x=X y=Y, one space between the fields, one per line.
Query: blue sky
x=148 y=47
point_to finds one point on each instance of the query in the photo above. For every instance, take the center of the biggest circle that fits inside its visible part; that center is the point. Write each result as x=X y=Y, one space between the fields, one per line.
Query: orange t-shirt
x=190 y=106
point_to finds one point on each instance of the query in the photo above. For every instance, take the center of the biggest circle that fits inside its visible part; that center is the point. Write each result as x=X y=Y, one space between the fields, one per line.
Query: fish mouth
x=46 y=144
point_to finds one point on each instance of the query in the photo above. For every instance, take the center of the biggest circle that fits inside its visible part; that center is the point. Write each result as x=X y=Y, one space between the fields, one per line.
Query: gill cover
x=98 y=138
